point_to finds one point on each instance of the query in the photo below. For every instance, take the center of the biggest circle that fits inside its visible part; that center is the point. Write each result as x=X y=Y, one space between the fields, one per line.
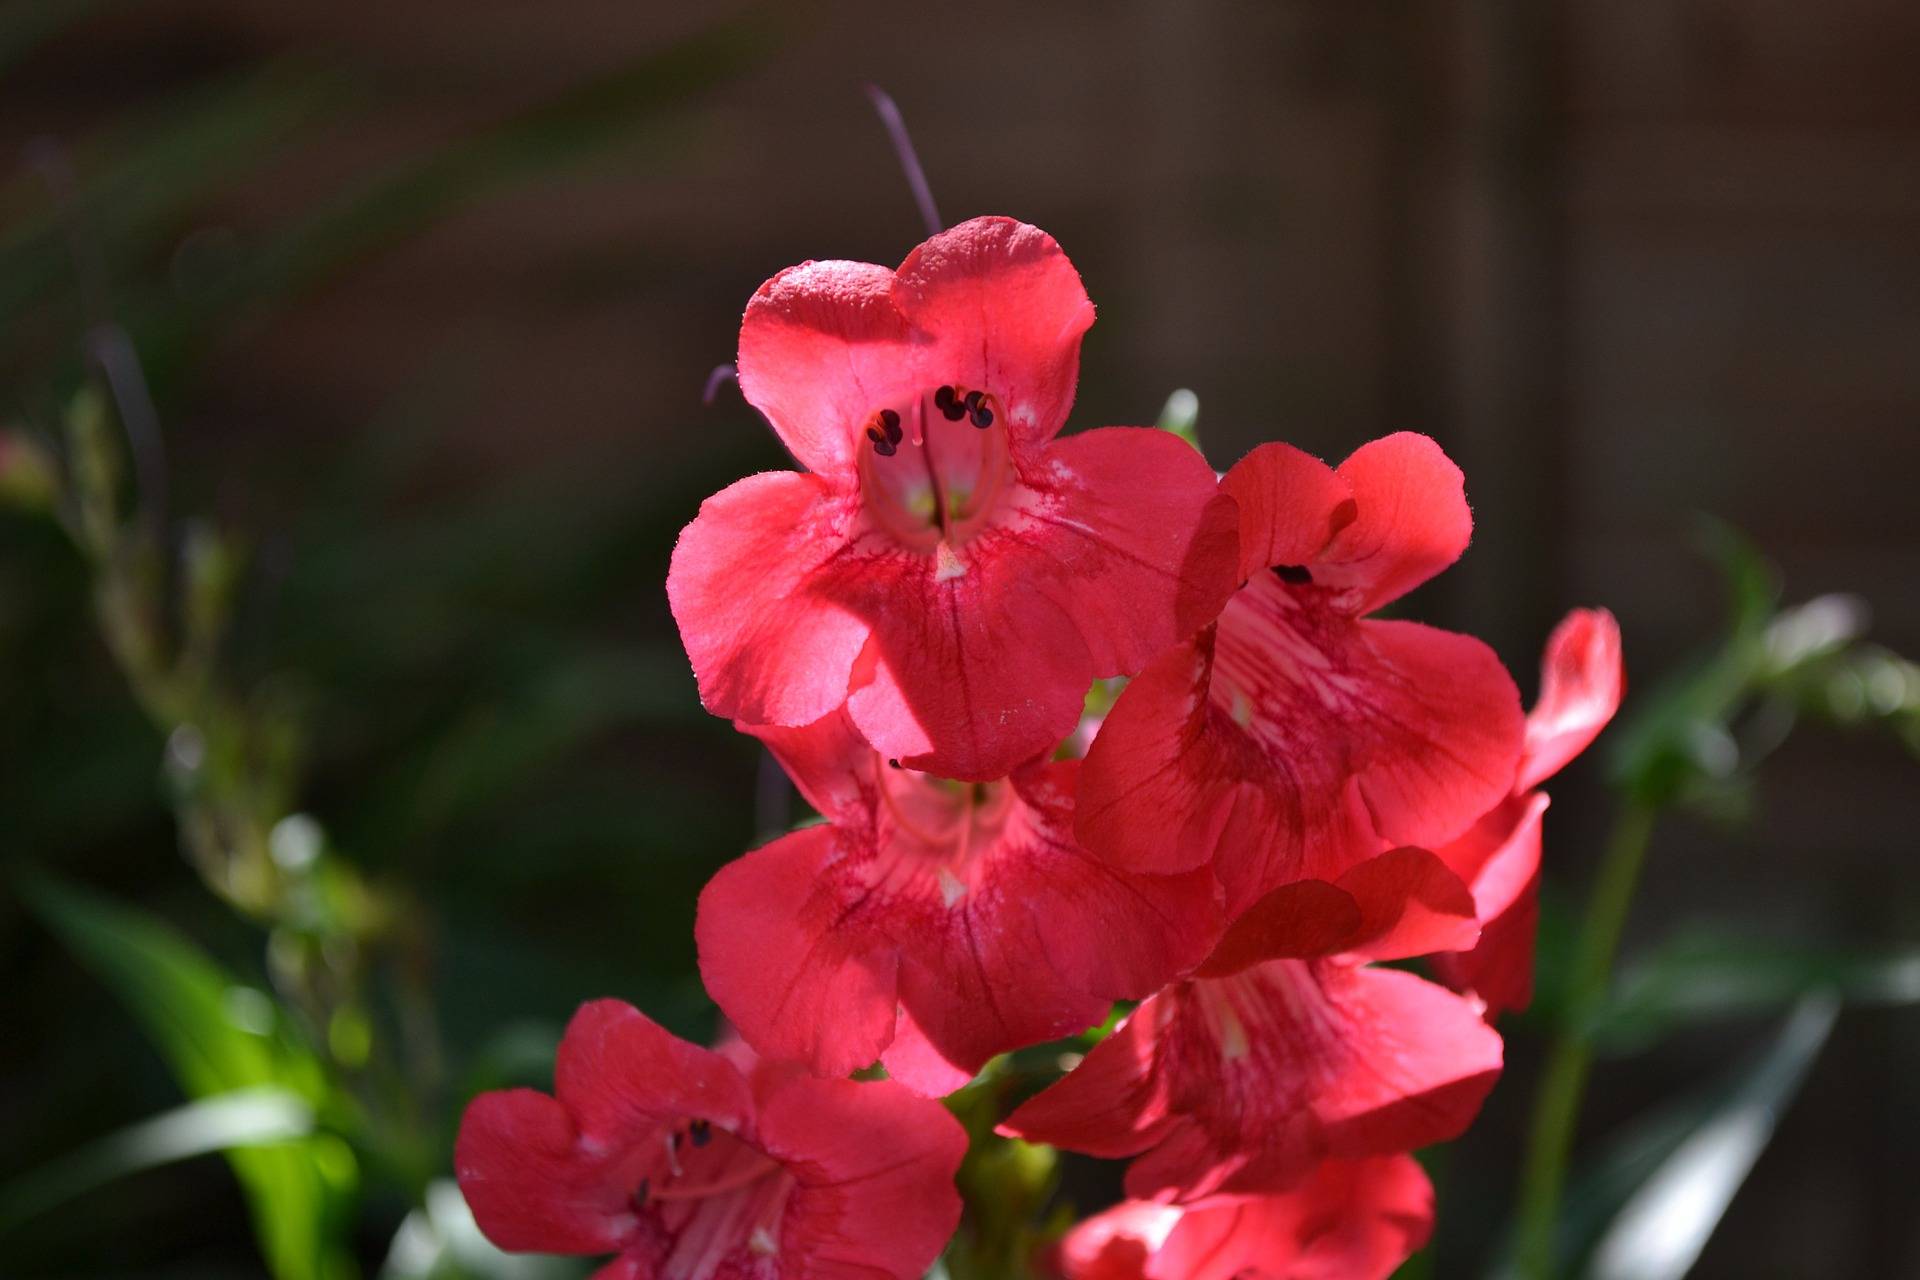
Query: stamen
x=947 y=401
x=642 y=1192
x=890 y=423
x=701 y=1131
x=1296 y=574
x=982 y=417
x=882 y=443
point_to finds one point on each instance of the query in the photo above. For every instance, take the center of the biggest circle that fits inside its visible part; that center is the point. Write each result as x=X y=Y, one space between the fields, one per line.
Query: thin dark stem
x=107 y=344
x=109 y=347
x=721 y=375
x=1556 y=1108
x=889 y=113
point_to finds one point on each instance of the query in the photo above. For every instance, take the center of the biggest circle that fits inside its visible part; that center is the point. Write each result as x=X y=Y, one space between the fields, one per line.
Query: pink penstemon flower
x=945 y=568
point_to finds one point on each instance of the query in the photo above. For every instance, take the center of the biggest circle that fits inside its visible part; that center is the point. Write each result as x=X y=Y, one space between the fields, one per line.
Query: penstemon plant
x=1141 y=836
x=1285 y=792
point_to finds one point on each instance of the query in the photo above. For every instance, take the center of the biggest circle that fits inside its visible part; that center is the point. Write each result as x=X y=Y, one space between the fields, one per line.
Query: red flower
x=697 y=1165
x=1284 y=1050
x=986 y=572
x=1350 y=1220
x=1581 y=680
x=1277 y=743
x=931 y=923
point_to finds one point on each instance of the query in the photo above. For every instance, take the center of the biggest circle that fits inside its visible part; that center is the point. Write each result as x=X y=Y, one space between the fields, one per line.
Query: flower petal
x=1501 y=858
x=521 y=1169
x=796 y=967
x=619 y=1073
x=1411 y=904
x=1410 y=521
x=766 y=647
x=1258 y=744
x=975 y=673
x=1350 y=1220
x=1243 y=1084
x=829 y=762
x=1157 y=788
x=1041 y=938
x=1004 y=312
x=1131 y=538
x=1291 y=504
x=822 y=347
x=1405 y=902
x=1446 y=733
x=1113 y=1104
x=874 y=1167
x=1581 y=680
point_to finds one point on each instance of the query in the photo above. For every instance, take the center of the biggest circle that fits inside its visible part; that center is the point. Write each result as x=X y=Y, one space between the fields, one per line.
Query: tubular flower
x=931 y=923
x=697 y=1165
x=1278 y=742
x=1581 y=681
x=1349 y=1220
x=944 y=566
x=1284 y=1049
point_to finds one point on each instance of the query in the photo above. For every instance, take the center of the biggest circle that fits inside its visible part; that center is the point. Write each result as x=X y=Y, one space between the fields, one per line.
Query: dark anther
x=883 y=444
x=890 y=423
x=982 y=417
x=641 y=1192
x=893 y=764
x=949 y=404
x=701 y=1132
x=972 y=401
x=1296 y=574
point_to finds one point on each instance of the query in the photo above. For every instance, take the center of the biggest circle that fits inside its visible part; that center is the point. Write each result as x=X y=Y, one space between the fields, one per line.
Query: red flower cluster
x=1286 y=791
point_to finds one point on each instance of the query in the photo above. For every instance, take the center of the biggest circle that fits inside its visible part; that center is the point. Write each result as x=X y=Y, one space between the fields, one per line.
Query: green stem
x=1556 y=1107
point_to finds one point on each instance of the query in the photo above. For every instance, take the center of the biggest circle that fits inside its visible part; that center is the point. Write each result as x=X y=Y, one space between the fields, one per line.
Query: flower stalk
x=1556 y=1108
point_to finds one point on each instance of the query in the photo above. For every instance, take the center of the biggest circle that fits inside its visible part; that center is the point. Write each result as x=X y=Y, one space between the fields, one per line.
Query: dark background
x=1626 y=262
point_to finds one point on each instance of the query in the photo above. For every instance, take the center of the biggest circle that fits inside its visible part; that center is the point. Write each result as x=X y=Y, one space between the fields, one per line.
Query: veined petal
x=1036 y=938
x=790 y=952
x=1410 y=522
x=1582 y=677
x=822 y=347
x=766 y=646
x=1003 y=311
x=1113 y=1104
x=974 y=673
x=1243 y=1084
x=1281 y=741
x=874 y=1167
x=1446 y=731
x=1127 y=531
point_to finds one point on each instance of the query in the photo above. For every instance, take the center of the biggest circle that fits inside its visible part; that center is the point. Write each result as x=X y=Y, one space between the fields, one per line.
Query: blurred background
x=426 y=294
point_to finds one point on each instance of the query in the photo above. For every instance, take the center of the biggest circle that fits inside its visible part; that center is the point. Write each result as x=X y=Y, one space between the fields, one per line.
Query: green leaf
x=220 y=1036
x=1706 y=975
x=1650 y=1202
x=225 y=1122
